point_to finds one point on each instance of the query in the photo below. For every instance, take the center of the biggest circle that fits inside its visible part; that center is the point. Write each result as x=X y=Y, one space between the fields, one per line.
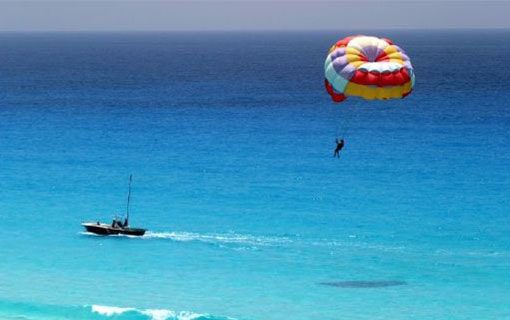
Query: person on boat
x=117 y=223
x=125 y=224
x=339 y=146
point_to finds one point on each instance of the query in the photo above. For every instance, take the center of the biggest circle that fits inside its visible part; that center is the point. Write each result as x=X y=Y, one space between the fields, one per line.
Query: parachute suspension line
x=347 y=126
x=128 y=198
x=345 y=120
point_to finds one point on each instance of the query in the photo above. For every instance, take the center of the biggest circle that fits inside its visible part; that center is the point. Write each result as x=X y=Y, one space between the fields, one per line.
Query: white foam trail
x=85 y=233
x=217 y=238
x=362 y=245
x=250 y=242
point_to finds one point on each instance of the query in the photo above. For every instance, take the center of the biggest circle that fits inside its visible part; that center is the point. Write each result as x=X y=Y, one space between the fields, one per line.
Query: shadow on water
x=364 y=284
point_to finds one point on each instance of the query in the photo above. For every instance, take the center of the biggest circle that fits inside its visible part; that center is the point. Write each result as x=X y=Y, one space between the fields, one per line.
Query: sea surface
x=230 y=138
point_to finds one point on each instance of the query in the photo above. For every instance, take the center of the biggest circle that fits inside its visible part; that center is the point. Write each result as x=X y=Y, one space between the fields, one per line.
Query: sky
x=193 y=15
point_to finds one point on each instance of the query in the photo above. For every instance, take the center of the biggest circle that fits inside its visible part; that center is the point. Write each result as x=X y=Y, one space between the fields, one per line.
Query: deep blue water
x=229 y=137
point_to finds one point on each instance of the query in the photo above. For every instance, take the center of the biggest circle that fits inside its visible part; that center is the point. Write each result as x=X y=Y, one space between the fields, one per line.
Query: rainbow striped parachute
x=367 y=67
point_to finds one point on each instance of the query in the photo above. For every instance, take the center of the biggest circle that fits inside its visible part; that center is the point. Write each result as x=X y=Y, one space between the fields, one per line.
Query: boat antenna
x=128 y=199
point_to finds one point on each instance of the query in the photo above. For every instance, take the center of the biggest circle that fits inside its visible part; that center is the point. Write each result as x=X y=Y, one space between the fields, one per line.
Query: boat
x=117 y=226
x=107 y=229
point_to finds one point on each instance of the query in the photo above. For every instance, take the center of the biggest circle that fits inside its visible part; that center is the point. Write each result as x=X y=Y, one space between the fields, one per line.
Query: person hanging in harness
x=339 y=146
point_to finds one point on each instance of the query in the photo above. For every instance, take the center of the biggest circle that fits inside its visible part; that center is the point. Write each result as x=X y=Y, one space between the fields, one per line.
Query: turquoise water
x=230 y=139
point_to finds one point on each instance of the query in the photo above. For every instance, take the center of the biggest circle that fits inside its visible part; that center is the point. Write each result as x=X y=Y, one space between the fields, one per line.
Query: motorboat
x=107 y=229
x=117 y=226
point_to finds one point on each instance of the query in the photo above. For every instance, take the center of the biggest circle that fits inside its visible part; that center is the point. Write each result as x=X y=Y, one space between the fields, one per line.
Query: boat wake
x=209 y=238
x=215 y=238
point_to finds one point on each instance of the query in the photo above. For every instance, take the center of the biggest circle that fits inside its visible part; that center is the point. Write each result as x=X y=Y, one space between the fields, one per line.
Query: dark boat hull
x=105 y=230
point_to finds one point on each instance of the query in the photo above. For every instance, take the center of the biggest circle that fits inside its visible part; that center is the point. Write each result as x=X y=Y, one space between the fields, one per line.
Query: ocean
x=230 y=137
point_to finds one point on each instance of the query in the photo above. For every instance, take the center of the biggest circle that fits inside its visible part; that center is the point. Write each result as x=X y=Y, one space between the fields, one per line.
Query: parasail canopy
x=367 y=67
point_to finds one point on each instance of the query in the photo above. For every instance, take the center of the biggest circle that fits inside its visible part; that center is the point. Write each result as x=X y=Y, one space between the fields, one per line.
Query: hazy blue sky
x=250 y=15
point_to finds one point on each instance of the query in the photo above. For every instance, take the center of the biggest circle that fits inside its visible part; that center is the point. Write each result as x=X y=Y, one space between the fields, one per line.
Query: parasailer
x=367 y=67
x=339 y=146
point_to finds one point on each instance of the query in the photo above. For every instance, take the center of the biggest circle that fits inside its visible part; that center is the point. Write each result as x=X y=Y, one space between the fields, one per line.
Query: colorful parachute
x=367 y=67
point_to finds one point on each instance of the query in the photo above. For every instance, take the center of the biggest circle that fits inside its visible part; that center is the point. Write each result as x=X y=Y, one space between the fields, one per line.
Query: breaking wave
x=152 y=314
x=27 y=311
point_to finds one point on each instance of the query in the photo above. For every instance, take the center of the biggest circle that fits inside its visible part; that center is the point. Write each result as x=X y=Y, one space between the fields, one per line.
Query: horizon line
x=250 y=30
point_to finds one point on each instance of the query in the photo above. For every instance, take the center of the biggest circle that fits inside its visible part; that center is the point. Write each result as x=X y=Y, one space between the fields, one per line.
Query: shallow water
x=230 y=139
